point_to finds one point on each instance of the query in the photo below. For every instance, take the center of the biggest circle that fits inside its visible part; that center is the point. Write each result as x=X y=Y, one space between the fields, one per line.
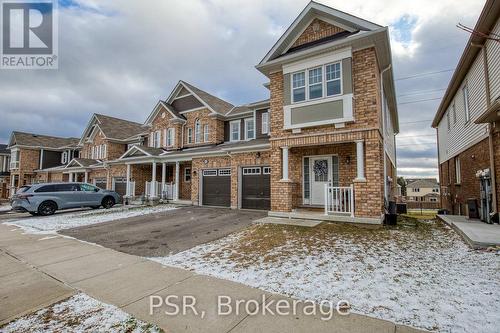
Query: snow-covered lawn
x=79 y=313
x=421 y=275
x=50 y=224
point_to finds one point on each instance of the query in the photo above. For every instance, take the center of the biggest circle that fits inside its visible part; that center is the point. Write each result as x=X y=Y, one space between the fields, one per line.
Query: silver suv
x=46 y=199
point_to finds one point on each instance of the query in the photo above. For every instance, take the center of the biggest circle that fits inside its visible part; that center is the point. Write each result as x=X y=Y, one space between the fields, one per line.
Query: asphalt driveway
x=168 y=232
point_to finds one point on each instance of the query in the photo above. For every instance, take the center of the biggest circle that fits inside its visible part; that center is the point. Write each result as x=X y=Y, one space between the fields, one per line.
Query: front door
x=321 y=174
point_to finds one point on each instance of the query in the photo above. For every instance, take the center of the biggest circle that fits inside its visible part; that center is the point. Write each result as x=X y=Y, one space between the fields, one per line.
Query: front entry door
x=321 y=174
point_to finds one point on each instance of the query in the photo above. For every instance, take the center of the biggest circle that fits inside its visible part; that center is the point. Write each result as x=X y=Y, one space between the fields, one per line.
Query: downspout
x=490 y=128
x=383 y=125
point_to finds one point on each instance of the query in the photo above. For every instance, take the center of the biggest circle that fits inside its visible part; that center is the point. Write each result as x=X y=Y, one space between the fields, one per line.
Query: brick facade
x=318 y=29
x=113 y=150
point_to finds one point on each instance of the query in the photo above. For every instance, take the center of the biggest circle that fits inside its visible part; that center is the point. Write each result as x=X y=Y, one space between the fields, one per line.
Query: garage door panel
x=120 y=185
x=216 y=191
x=256 y=190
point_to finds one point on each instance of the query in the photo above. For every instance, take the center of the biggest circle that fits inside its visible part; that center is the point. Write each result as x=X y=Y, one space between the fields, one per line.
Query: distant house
x=4 y=171
x=422 y=190
x=468 y=124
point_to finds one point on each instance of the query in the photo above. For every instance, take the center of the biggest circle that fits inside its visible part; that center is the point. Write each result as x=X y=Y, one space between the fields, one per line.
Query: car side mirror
x=96 y=190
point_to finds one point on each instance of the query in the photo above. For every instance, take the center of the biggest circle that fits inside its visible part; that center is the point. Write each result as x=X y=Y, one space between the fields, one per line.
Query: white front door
x=321 y=174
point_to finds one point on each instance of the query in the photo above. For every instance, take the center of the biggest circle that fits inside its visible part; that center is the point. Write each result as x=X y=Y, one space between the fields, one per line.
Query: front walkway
x=127 y=281
x=476 y=233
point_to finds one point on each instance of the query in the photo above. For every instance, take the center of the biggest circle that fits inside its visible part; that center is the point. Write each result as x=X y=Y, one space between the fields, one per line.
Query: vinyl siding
x=463 y=134
x=493 y=53
x=389 y=139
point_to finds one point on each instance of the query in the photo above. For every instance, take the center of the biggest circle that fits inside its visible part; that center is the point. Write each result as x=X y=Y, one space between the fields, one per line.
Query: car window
x=87 y=188
x=46 y=188
x=23 y=189
x=67 y=188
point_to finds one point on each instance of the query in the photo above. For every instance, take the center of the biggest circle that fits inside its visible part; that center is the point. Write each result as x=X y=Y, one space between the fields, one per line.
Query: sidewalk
x=126 y=281
x=476 y=233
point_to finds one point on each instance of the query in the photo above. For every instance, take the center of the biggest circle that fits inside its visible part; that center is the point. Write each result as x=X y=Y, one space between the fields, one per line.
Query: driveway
x=161 y=234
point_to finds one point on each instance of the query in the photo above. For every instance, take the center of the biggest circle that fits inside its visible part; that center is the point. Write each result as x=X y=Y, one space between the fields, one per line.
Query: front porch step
x=285 y=221
x=320 y=216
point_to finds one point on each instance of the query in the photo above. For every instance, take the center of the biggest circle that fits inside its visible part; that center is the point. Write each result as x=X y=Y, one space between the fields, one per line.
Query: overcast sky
x=120 y=57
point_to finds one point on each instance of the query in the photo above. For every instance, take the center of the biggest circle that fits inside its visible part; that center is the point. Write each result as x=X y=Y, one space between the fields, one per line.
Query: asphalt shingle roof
x=422 y=183
x=38 y=140
x=217 y=104
x=3 y=149
x=116 y=128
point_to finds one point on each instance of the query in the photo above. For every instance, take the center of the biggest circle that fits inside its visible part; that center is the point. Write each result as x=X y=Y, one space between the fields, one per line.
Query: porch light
x=348 y=160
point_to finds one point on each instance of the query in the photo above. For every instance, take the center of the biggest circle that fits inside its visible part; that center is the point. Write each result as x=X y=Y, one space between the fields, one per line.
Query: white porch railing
x=168 y=191
x=153 y=189
x=131 y=189
x=339 y=200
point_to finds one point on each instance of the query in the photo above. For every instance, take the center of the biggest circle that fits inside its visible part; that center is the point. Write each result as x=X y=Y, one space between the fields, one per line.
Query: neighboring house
x=325 y=137
x=467 y=124
x=29 y=153
x=422 y=190
x=4 y=171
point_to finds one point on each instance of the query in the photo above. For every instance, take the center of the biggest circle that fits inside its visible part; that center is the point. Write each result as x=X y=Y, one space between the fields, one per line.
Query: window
x=465 y=91
x=457 y=171
x=316 y=83
x=433 y=199
x=249 y=129
x=224 y=172
x=187 y=174
x=251 y=171
x=197 y=131
x=266 y=170
x=156 y=139
x=454 y=113
x=170 y=137
x=64 y=157
x=206 y=133
x=265 y=123
x=209 y=173
x=190 y=135
x=104 y=151
x=333 y=79
x=299 y=87
x=235 y=127
x=307 y=182
x=88 y=188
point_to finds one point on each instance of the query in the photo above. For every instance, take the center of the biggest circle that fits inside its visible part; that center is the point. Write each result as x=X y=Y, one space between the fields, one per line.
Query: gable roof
x=422 y=183
x=143 y=151
x=113 y=128
x=82 y=162
x=314 y=10
x=41 y=141
x=214 y=103
x=486 y=21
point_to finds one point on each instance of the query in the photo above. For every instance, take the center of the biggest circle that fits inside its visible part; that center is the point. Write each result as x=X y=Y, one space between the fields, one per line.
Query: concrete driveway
x=165 y=233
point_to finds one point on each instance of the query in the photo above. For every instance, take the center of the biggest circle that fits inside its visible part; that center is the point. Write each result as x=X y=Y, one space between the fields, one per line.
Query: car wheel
x=108 y=202
x=47 y=208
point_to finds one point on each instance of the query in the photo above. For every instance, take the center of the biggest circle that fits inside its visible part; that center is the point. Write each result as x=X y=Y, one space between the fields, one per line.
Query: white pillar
x=360 y=160
x=71 y=177
x=177 y=172
x=153 y=180
x=285 y=163
x=127 y=193
x=163 y=176
x=86 y=177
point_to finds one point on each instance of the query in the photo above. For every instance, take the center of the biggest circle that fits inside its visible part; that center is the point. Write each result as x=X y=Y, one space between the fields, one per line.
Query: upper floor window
x=190 y=135
x=155 y=139
x=249 y=129
x=197 y=131
x=64 y=157
x=234 y=131
x=327 y=78
x=299 y=87
x=265 y=123
x=170 y=137
x=458 y=176
x=465 y=91
x=316 y=83
x=206 y=133
x=333 y=79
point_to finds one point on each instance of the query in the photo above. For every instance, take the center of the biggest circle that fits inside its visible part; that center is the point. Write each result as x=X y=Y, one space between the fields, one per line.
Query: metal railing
x=153 y=189
x=339 y=200
x=168 y=191
x=131 y=189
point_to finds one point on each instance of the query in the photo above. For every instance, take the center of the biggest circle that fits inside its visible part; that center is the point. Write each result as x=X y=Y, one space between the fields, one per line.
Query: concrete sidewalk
x=475 y=232
x=127 y=281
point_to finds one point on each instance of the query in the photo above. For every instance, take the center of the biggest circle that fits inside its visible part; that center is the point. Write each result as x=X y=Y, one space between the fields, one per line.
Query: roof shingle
x=217 y=104
x=38 y=140
x=119 y=129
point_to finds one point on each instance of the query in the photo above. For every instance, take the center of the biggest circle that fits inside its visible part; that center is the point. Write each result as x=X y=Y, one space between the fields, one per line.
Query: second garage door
x=120 y=185
x=256 y=188
x=217 y=187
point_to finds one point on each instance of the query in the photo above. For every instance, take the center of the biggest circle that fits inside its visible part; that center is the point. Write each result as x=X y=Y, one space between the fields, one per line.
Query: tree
x=402 y=183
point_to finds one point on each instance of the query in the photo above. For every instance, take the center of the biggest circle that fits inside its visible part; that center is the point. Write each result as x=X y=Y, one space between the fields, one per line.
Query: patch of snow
x=434 y=282
x=51 y=224
x=5 y=208
x=79 y=313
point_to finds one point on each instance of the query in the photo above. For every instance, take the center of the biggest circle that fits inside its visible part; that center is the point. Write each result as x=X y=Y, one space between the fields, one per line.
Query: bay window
x=333 y=78
x=323 y=81
x=299 y=87
x=316 y=83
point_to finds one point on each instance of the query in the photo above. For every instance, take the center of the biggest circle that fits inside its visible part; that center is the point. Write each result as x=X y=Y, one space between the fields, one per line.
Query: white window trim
x=197 y=131
x=224 y=172
x=170 y=136
x=189 y=135
x=185 y=174
x=324 y=95
x=238 y=123
x=64 y=157
x=265 y=129
x=248 y=120
x=210 y=173
x=157 y=139
x=266 y=170
x=206 y=133
x=251 y=171
x=458 y=171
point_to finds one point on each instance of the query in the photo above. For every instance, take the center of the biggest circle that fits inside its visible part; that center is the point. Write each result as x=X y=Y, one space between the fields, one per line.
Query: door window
x=320 y=169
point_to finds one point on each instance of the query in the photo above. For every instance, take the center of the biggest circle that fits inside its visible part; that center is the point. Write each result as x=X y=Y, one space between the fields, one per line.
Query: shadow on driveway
x=157 y=235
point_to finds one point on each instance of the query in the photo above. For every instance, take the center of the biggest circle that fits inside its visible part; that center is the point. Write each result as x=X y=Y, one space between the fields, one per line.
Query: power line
x=424 y=74
x=421 y=100
x=421 y=92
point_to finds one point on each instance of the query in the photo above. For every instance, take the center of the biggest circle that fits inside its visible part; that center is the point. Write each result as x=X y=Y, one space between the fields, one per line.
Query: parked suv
x=46 y=199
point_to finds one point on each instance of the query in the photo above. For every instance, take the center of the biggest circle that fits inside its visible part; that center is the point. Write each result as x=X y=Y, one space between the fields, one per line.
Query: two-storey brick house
x=4 y=171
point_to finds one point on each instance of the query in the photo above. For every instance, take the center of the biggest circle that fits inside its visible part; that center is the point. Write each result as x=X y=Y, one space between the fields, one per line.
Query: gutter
x=383 y=125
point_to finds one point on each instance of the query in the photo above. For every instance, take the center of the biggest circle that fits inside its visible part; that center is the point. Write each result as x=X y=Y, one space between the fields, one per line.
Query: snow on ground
x=79 y=313
x=50 y=224
x=422 y=276
x=5 y=208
